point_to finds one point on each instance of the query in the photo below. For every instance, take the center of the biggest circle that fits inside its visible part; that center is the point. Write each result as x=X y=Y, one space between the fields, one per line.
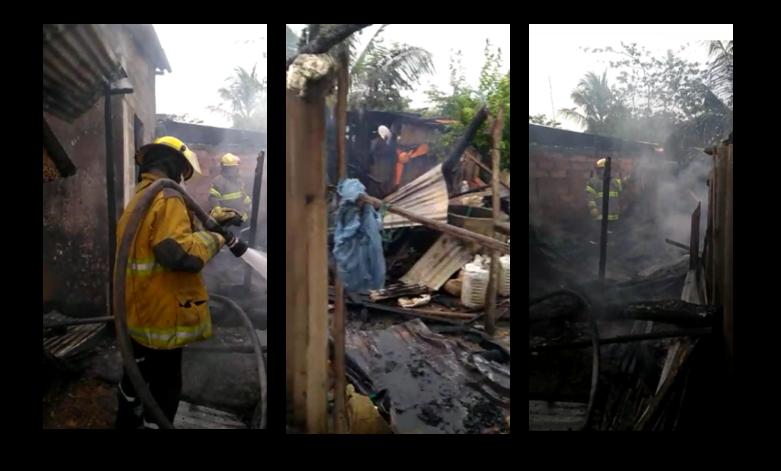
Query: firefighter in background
x=227 y=190
x=166 y=299
x=595 y=194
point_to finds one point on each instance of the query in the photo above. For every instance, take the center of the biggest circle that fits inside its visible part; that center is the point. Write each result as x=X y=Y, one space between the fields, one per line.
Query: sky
x=557 y=62
x=202 y=57
x=440 y=40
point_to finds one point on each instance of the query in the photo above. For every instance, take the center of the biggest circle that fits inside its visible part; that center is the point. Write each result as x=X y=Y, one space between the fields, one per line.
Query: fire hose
x=594 y=332
x=123 y=338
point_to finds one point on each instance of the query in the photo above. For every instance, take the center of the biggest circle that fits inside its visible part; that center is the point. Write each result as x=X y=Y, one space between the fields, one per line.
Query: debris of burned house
x=658 y=363
x=91 y=141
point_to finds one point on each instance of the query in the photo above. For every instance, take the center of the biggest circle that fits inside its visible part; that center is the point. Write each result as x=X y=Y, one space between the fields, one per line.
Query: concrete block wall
x=209 y=157
x=557 y=182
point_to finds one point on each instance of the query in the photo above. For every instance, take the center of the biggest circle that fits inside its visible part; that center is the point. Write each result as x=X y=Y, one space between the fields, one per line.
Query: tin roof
x=77 y=66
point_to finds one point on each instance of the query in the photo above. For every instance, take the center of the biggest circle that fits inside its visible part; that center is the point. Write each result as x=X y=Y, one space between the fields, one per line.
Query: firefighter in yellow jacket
x=595 y=194
x=166 y=301
x=227 y=190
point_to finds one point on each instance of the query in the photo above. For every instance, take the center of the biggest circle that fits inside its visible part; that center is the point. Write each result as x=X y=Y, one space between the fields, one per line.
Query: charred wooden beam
x=692 y=333
x=669 y=312
x=326 y=39
x=464 y=142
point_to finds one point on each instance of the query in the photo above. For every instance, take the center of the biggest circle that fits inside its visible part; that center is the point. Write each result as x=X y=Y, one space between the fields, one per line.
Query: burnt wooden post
x=728 y=259
x=605 y=212
x=493 y=282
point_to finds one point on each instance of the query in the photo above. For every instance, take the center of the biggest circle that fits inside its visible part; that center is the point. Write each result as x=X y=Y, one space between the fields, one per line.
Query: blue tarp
x=358 y=243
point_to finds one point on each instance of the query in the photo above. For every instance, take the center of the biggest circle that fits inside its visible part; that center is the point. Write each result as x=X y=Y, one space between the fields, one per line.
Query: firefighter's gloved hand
x=227 y=217
x=595 y=213
x=236 y=246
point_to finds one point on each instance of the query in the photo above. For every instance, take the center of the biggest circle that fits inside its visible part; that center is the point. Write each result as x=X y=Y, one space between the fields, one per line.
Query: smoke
x=681 y=187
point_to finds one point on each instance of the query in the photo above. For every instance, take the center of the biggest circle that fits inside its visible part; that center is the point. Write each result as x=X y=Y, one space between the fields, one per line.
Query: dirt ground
x=81 y=403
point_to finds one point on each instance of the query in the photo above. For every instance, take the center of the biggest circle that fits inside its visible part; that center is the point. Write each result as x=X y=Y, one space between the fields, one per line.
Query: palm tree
x=599 y=109
x=380 y=72
x=244 y=100
x=720 y=71
x=715 y=121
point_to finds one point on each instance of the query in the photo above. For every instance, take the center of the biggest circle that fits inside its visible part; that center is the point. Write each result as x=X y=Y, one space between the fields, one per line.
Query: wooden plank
x=296 y=256
x=312 y=169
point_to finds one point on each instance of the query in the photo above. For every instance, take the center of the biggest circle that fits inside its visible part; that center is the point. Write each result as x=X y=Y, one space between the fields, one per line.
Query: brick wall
x=557 y=182
x=209 y=157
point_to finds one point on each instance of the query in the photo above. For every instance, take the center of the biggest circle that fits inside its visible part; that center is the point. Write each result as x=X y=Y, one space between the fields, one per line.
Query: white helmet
x=385 y=133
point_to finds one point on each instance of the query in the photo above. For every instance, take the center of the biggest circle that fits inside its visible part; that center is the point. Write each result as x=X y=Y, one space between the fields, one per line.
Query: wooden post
x=728 y=261
x=607 y=183
x=493 y=283
x=340 y=383
x=306 y=313
x=719 y=228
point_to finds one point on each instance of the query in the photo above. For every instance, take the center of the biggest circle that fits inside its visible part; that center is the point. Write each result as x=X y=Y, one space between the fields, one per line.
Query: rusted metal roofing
x=71 y=340
x=427 y=196
x=439 y=264
x=192 y=417
x=77 y=66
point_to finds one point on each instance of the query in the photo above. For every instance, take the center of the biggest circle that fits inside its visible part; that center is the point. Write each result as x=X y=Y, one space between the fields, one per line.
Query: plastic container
x=504 y=276
x=475 y=286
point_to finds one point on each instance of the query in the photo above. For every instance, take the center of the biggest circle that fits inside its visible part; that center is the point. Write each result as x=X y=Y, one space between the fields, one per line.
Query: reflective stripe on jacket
x=166 y=300
x=230 y=194
x=595 y=194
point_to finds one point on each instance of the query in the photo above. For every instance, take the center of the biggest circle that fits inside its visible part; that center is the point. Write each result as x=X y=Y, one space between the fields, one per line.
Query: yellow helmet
x=230 y=160
x=601 y=163
x=193 y=166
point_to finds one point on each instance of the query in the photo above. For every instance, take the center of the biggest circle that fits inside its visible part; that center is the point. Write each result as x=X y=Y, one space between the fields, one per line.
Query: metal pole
x=111 y=196
x=605 y=212
x=253 y=232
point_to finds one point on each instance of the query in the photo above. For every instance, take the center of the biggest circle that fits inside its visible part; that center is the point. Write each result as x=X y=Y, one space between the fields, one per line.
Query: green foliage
x=666 y=99
x=382 y=72
x=462 y=102
x=543 y=120
x=244 y=100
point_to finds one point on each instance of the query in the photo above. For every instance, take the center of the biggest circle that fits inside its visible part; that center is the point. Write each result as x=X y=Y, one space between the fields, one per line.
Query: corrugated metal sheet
x=556 y=416
x=438 y=265
x=427 y=196
x=77 y=66
x=74 y=340
x=192 y=417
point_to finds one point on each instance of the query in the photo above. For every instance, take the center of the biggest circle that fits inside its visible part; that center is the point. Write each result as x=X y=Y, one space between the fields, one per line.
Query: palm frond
x=368 y=50
x=574 y=116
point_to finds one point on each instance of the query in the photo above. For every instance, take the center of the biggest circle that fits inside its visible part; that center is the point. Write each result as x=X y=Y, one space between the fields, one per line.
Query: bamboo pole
x=493 y=282
x=340 y=383
x=458 y=232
